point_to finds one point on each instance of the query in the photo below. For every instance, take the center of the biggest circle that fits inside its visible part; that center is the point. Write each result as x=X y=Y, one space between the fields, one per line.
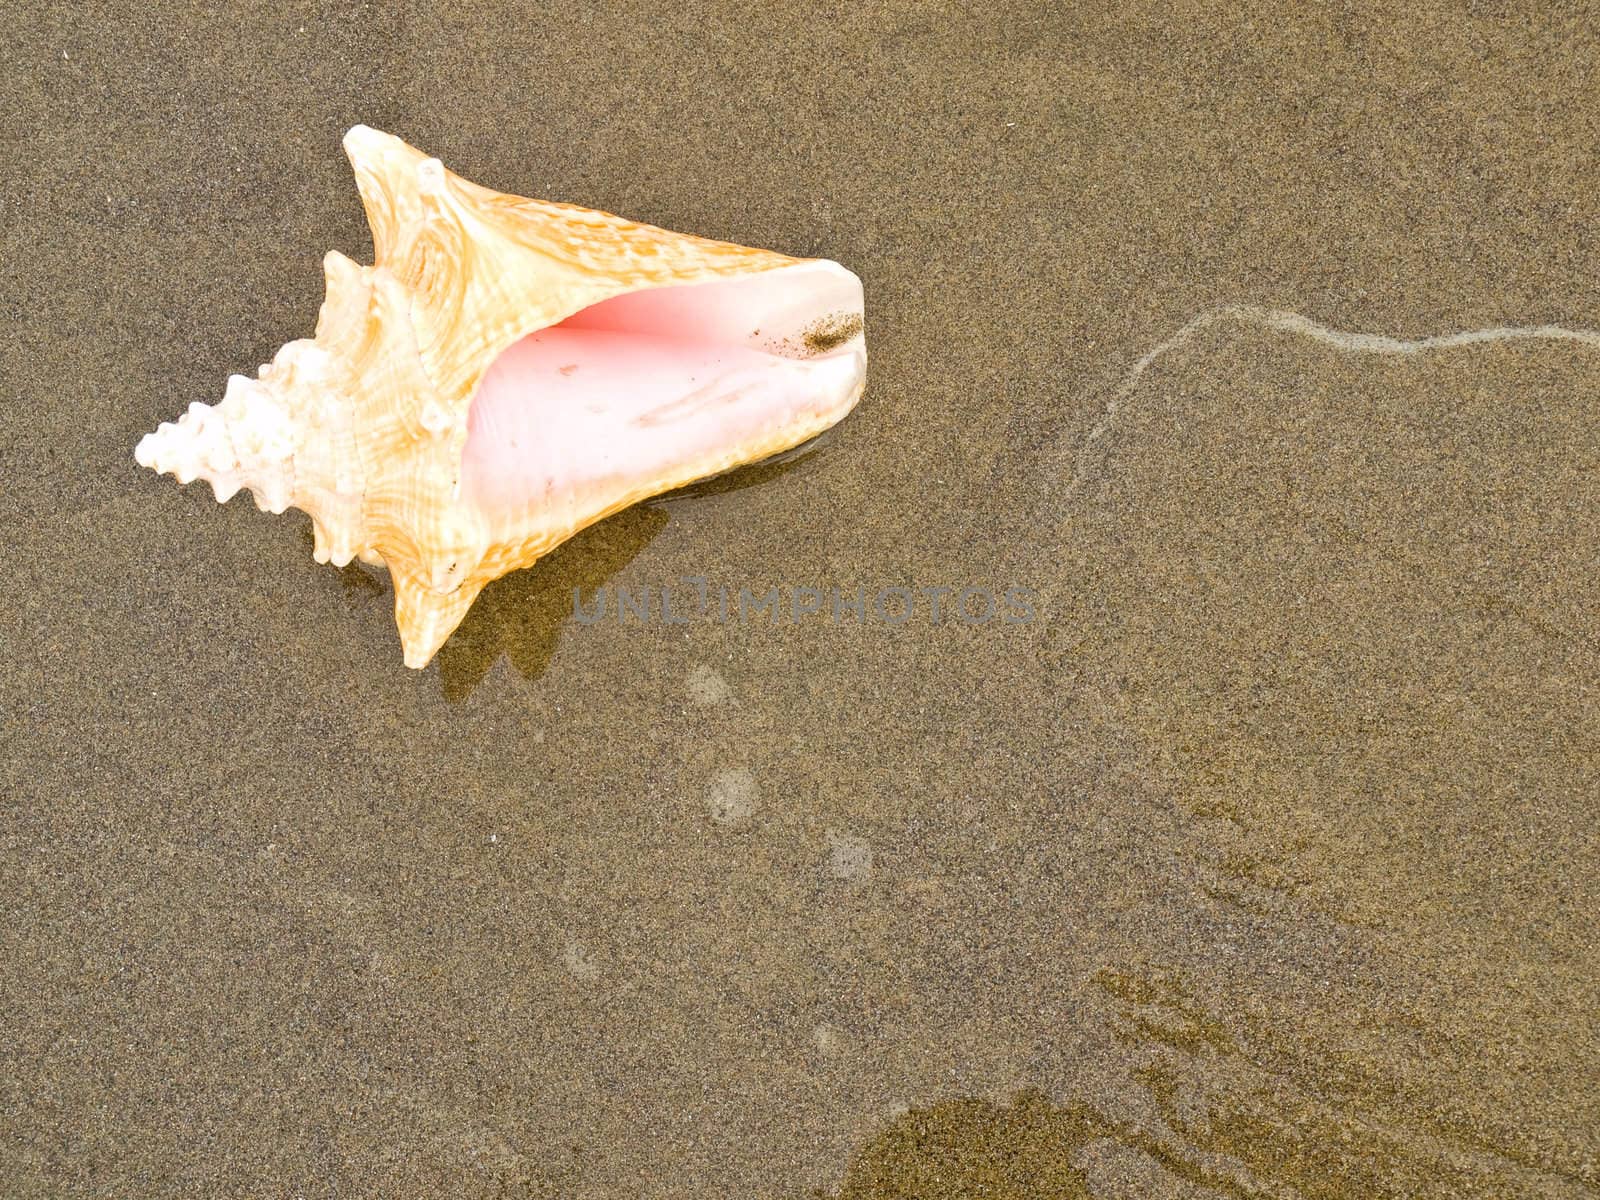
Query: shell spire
x=366 y=425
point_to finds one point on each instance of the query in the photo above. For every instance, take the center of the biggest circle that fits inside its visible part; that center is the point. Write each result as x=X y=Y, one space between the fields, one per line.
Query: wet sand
x=1262 y=862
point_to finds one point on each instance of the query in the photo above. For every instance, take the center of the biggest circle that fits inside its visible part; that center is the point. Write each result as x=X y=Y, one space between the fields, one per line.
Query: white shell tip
x=435 y=418
x=238 y=390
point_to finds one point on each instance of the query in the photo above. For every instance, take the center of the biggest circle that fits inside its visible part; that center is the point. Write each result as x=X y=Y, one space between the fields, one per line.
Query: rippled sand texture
x=1336 y=602
x=1263 y=864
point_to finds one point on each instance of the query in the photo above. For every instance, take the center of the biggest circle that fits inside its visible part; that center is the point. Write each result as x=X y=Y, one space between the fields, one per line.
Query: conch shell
x=509 y=371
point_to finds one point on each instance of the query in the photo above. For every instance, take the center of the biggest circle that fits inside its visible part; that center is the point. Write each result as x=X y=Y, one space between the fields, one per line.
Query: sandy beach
x=1259 y=860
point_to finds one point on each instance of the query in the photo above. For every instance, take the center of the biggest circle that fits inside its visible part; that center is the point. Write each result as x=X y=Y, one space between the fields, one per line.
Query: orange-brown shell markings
x=364 y=425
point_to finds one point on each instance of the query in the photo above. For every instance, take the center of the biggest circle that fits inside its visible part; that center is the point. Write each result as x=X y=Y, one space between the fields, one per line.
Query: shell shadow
x=521 y=615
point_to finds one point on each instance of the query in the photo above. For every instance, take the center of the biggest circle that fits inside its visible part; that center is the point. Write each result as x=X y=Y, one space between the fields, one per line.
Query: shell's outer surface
x=364 y=425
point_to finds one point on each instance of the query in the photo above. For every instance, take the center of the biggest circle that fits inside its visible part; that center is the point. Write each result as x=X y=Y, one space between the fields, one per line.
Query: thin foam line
x=1284 y=321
